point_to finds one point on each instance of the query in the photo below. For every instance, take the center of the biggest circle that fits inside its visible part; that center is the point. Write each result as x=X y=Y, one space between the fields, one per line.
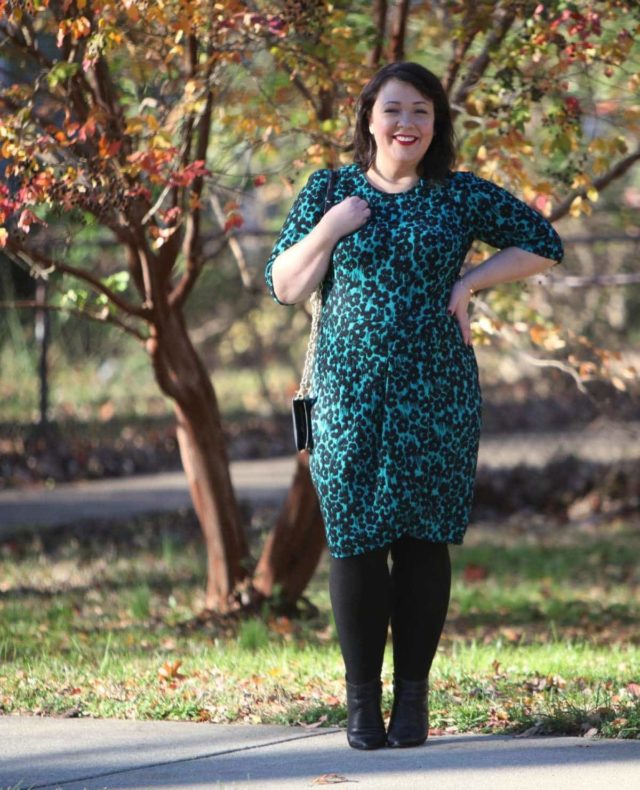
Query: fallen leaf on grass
x=330 y=779
x=634 y=689
x=510 y=634
x=474 y=573
x=170 y=670
x=281 y=625
x=620 y=722
x=314 y=724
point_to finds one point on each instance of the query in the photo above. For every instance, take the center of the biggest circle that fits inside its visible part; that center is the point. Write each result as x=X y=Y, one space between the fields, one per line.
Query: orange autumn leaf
x=170 y=670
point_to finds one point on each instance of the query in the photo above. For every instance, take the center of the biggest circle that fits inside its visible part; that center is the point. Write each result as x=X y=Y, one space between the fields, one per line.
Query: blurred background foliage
x=548 y=116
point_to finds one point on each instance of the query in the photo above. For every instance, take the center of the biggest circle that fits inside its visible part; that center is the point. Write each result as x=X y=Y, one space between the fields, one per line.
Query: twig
x=39 y=261
x=504 y=21
x=615 y=172
x=103 y=318
x=512 y=338
x=573 y=281
x=234 y=245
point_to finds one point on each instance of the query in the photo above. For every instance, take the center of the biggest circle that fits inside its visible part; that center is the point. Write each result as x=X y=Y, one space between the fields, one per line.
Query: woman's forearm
x=298 y=270
x=505 y=266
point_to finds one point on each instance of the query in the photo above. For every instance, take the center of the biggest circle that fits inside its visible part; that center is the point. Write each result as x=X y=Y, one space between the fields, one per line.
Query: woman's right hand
x=346 y=216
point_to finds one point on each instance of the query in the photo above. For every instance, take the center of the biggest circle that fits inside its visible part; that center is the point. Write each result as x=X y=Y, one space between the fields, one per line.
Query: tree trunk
x=380 y=21
x=399 y=31
x=294 y=547
x=182 y=376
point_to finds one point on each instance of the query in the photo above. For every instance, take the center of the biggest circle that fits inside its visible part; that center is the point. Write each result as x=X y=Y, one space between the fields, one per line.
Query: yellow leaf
x=618 y=383
x=575 y=208
x=134 y=125
x=152 y=122
x=592 y=194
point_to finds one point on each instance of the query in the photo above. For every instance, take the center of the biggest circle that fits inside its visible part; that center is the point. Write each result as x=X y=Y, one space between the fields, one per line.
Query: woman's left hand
x=459 y=307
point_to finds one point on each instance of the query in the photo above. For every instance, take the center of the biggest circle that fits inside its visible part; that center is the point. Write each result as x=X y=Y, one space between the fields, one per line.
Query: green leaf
x=61 y=72
x=117 y=282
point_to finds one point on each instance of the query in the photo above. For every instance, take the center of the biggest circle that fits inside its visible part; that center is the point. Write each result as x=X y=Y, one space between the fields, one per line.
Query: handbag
x=303 y=400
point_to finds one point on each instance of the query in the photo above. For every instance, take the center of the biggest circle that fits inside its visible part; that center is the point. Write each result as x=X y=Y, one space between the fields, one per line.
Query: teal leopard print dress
x=396 y=422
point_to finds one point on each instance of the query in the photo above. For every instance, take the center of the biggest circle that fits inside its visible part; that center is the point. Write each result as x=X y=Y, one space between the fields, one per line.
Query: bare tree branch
x=504 y=19
x=600 y=183
x=513 y=339
x=399 y=30
x=308 y=95
x=596 y=280
x=103 y=317
x=380 y=21
x=27 y=43
x=192 y=244
x=461 y=47
x=234 y=245
x=41 y=262
x=552 y=363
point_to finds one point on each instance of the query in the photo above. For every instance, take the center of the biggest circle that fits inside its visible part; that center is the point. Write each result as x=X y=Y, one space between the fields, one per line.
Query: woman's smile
x=405 y=139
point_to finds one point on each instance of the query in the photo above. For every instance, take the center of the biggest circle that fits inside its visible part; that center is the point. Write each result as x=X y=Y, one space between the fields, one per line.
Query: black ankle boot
x=365 y=727
x=409 y=724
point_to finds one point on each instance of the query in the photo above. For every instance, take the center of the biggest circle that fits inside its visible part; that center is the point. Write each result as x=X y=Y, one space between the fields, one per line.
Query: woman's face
x=401 y=122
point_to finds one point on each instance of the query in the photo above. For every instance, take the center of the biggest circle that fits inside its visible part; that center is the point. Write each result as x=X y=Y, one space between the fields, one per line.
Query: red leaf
x=234 y=221
x=27 y=219
x=474 y=573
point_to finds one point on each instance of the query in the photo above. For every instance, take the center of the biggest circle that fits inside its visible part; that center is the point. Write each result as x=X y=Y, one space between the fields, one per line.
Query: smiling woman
x=402 y=125
x=396 y=418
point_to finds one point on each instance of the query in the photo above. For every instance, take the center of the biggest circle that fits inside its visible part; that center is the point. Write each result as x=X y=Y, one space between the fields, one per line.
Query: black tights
x=413 y=595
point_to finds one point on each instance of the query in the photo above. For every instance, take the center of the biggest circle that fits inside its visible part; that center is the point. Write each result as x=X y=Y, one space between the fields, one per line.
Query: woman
x=397 y=418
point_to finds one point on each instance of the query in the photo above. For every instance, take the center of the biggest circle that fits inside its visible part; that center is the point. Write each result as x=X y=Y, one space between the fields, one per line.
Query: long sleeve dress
x=396 y=421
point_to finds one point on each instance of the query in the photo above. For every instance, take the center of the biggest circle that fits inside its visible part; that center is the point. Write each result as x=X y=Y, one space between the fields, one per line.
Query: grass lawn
x=543 y=633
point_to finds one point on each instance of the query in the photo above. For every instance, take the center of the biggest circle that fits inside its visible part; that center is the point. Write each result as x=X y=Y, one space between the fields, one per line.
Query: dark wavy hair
x=440 y=156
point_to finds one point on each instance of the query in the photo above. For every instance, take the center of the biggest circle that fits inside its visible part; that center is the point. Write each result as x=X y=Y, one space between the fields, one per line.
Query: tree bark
x=294 y=547
x=182 y=376
x=399 y=31
x=380 y=19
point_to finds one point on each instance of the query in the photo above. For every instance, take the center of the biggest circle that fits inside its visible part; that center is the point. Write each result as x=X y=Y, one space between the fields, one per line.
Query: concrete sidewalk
x=89 y=753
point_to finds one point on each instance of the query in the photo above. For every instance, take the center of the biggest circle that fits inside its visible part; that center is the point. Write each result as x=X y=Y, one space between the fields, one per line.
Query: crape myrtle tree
x=121 y=108
x=110 y=122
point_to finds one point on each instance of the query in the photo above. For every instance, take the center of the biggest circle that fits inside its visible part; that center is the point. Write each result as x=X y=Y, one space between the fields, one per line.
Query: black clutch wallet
x=301 y=413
